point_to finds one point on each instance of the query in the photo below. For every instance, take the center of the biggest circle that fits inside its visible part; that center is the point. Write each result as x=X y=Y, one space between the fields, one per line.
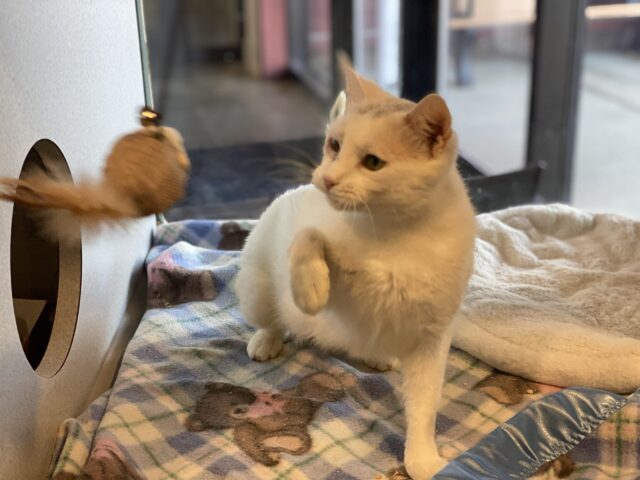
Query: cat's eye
x=334 y=144
x=373 y=163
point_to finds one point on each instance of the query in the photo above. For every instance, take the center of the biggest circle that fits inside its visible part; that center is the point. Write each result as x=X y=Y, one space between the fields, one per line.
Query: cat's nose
x=329 y=182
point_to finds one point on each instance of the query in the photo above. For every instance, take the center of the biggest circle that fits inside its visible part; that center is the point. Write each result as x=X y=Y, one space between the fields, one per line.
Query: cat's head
x=382 y=153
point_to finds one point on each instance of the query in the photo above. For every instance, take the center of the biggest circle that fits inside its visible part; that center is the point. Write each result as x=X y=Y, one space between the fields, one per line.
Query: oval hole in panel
x=45 y=274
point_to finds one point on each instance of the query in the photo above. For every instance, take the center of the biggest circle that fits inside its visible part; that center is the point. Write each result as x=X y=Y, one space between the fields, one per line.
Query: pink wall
x=274 y=46
x=319 y=15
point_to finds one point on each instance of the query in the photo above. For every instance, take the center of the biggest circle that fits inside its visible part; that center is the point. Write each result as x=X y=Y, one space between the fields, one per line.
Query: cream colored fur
x=377 y=265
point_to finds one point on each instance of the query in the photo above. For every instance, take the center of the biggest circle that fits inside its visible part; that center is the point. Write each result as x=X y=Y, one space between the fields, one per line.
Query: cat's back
x=292 y=211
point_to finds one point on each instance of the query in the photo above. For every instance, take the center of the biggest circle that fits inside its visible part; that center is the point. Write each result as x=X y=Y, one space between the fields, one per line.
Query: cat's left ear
x=339 y=106
x=356 y=87
x=432 y=120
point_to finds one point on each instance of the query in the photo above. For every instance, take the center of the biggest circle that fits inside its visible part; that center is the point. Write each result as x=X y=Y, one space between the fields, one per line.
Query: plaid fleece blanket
x=189 y=404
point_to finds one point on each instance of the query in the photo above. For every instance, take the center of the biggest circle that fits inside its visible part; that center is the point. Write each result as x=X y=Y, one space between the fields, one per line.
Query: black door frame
x=555 y=87
x=420 y=41
x=341 y=37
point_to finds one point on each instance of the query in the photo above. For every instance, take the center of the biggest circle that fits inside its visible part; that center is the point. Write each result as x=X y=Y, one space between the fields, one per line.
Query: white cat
x=374 y=256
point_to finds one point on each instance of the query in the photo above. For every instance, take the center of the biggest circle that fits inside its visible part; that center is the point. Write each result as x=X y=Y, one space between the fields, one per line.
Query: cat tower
x=71 y=83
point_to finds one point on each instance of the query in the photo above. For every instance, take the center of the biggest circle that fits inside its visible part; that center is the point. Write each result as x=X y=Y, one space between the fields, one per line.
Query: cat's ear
x=339 y=106
x=357 y=88
x=432 y=120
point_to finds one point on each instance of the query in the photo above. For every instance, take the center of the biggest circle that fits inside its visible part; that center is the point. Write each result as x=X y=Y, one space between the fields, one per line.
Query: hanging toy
x=145 y=174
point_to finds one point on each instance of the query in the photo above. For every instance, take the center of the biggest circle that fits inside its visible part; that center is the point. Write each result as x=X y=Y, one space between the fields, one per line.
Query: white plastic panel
x=70 y=71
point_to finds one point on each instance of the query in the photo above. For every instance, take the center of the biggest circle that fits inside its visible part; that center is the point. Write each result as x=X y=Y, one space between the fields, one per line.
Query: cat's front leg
x=309 y=272
x=423 y=376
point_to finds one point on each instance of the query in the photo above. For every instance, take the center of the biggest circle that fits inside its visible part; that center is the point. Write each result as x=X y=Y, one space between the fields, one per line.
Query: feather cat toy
x=145 y=174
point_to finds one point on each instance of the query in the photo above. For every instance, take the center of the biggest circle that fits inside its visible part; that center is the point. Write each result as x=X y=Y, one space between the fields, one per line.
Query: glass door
x=376 y=41
x=607 y=161
x=488 y=79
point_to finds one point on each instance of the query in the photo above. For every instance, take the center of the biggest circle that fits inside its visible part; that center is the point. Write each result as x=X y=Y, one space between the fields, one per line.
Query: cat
x=373 y=257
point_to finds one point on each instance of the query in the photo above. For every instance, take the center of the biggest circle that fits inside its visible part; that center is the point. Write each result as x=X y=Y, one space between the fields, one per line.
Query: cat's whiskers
x=373 y=221
x=340 y=202
x=354 y=207
x=345 y=205
x=395 y=212
x=342 y=205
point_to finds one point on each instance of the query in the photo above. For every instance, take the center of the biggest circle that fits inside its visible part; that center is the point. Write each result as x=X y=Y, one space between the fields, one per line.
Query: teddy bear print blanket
x=189 y=404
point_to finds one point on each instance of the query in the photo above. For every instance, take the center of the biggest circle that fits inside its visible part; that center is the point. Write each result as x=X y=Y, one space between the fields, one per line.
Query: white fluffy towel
x=555 y=297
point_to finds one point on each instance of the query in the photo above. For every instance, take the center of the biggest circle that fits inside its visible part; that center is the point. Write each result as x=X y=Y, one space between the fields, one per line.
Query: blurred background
x=545 y=94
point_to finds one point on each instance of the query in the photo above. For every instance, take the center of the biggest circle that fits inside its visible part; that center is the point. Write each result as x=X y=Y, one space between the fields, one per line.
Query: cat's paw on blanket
x=264 y=345
x=383 y=364
x=310 y=284
x=424 y=468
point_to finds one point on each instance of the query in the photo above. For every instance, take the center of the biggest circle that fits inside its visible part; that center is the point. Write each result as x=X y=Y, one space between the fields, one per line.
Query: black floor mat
x=241 y=181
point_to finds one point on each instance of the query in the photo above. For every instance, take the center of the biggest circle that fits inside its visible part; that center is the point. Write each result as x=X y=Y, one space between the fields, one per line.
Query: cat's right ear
x=432 y=120
x=339 y=106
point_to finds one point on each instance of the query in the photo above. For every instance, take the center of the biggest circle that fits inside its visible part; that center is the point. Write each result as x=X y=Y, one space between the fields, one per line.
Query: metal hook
x=149 y=117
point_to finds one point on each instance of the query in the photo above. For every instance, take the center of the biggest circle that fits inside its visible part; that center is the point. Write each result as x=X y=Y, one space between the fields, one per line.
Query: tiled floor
x=491 y=118
x=491 y=115
x=607 y=157
x=606 y=174
x=220 y=104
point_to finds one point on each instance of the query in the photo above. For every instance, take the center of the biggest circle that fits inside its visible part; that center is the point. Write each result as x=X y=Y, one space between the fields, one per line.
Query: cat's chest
x=370 y=268
x=364 y=253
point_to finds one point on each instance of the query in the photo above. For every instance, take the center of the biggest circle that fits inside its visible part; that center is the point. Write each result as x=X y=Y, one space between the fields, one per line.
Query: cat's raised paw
x=310 y=285
x=424 y=469
x=264 y=345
